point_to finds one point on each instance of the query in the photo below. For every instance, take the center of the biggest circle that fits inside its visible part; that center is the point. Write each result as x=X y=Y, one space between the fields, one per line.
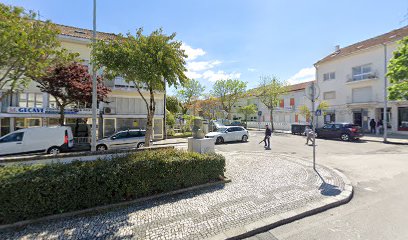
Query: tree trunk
x=150 y=114
x=271 y=118
x=149 y=129
x=62 y=115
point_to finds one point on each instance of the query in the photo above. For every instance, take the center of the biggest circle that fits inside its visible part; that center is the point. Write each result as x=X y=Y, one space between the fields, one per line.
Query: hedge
x=38 y=190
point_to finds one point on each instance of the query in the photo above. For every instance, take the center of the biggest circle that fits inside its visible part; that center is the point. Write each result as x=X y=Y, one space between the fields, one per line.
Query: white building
x=125 y=108
x=285 y=114
x=352 y=80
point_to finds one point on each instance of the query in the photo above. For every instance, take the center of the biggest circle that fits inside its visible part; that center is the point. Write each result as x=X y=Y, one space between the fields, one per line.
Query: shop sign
x=49 y=110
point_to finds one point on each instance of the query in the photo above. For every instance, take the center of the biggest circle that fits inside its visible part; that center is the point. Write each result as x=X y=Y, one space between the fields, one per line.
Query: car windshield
x=221 y=129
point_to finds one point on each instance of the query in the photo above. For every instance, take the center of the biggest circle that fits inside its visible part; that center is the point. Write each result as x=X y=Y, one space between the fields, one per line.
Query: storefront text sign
x=49 y=110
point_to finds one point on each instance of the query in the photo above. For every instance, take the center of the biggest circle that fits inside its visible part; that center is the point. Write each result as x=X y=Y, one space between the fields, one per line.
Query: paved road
x=379 y=173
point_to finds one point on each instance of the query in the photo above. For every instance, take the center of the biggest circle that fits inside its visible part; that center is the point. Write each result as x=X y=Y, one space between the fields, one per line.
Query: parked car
x=344 y=131
x=132 y=138
x=228 y=134
x=52 y=140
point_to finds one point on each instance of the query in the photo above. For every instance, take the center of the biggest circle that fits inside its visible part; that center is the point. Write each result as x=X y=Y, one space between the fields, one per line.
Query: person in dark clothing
x=267 y=139
x=372 y=125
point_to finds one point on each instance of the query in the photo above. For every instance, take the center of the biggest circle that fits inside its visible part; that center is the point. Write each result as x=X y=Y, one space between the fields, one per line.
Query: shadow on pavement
x=327 y=189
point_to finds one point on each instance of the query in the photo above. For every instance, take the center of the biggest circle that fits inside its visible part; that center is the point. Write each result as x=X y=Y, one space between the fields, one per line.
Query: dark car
x=344 y=131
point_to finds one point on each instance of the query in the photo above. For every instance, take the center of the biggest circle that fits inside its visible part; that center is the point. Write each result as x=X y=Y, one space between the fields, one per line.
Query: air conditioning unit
x=108 y=110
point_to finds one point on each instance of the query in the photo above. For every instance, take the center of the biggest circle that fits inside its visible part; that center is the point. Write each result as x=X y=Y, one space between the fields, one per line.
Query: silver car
x=134 y=138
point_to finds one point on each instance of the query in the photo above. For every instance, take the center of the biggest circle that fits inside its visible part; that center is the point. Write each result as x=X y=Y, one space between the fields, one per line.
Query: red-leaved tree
x=71 y=84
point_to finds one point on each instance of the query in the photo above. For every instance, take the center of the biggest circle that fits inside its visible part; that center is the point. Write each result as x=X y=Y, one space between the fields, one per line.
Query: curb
x=99 y=209
x=274 y=221
x=387 y=142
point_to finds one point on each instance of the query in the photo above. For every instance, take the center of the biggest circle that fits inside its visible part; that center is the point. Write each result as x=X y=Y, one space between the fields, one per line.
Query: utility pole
x=94 y=92
x=313 y=124
x=385 y=124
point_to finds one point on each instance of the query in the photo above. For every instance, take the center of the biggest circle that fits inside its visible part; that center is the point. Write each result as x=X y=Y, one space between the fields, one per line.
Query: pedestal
x=204 y=145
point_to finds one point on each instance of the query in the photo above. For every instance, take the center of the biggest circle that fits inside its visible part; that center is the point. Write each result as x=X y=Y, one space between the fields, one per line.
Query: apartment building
x=352 y=79
x=124 y=108
x=286 y=113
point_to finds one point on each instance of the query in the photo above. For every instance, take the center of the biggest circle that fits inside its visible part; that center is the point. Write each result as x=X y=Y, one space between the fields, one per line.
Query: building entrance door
x=357 y=118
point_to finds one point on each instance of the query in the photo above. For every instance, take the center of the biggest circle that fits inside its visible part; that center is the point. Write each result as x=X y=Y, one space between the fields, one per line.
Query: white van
x=52 y=140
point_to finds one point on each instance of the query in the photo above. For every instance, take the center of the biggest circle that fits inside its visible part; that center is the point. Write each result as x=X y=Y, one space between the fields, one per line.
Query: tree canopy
x=270 y=91
x=398 y=72
x=172 y=104
x=228 y=92
x=149 y=61
x=247 y=110
x=71 y=84
x=27 y=47
x=190 y=93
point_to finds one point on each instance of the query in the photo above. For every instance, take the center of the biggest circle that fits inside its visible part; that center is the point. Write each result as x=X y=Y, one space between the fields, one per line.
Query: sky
x=239 y=39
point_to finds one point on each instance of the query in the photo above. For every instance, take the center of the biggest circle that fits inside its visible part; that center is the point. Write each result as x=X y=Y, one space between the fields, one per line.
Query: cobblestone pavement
x=262 y=185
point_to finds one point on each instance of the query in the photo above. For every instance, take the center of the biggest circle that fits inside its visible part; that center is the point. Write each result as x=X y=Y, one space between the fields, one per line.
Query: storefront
x=403 y=119
x=24 y=117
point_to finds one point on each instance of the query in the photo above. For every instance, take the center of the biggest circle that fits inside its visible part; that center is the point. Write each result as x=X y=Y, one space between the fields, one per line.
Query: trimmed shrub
x=38 y=190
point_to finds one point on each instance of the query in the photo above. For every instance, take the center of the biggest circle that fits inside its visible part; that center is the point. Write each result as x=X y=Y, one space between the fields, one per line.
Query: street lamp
x=94 y=92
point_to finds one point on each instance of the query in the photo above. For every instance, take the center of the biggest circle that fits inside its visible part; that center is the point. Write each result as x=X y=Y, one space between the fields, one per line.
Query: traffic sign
x=259 y=113
x=318 y=113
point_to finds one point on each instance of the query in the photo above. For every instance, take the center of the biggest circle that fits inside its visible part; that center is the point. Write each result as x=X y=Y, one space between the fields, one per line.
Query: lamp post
x=94 y=92
x=385 y=114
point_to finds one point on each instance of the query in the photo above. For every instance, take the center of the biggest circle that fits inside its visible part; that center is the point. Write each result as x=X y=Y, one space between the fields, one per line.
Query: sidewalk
x=170 y=141
x=392 y=138
x=266 y=191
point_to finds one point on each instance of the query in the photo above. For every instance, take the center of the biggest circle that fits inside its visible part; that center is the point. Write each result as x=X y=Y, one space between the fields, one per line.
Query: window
x=120 y=135
x=30 y=100
x=328 y=126
x=329 y=76
x=329 y=95
x=292 y=102
x=361 y=72
x=362 y=94
x=282 y=103
x=403 y=119
x=14 y=137
x=52 y=102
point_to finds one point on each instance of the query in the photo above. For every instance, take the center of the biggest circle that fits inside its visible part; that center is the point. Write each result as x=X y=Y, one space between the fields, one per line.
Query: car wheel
x=101 y=148
x=54 y=150
x=141 y=144
x=345 y=137
x=245 y=138
x=219 y=140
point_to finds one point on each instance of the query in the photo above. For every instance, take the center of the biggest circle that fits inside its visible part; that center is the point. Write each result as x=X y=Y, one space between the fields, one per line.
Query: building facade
x=352 y=80
x=124 y=108
x=284 y=114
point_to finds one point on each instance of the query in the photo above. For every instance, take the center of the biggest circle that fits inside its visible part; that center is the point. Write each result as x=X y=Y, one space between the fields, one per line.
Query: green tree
x=170 y=119
x=189 y=94
x=27 y=47
x=270 y=92
x=173 y=104
x=398 y=72
x=306 y=113
x=228 y=92
x=147 y=61
x=247 y=110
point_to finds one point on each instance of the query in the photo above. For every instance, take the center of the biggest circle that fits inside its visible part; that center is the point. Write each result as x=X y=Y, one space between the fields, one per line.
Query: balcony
x=362 y=79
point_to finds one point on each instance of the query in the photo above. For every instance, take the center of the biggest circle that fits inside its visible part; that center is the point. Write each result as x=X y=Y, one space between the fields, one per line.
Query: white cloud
x=252 y=69
x=219 y=75
x=192 y=53
x=201 y=66
x=193 y=75
x=304 y=75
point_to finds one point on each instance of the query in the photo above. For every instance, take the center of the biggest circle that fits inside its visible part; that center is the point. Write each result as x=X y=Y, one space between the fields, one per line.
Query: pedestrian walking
x=267 y=139
x=372 y=126
x=381 y=126
x=309 y=135
x=377 y=128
